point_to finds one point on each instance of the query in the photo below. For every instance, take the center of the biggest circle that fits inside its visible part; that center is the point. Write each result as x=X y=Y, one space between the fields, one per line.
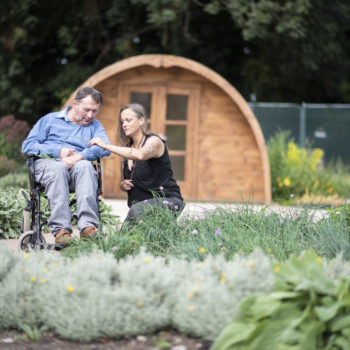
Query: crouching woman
x=147 y=176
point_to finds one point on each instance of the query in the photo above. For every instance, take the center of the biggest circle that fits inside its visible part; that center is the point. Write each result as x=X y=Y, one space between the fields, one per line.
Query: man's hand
x=126 y=185
x=66 y=152
x=71 y=160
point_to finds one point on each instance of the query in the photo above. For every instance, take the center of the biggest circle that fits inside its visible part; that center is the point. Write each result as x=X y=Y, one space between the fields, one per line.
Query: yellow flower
x=251 y=262
x=195 y=288
x=139 y=304
x=26 y=270
x=293 y=154
x=223 y=275
x=55 y=264
x=42 y=281
x=191 y=308
x=222 y=281
x=286 y=181
x=319 y=259
x=277 y=269
x=33 y=279
x=280 y=184
x=202 y=250
x=190 y=295
x=316 y=157
x=70 y=289
x=147 y=260
x=26 y=255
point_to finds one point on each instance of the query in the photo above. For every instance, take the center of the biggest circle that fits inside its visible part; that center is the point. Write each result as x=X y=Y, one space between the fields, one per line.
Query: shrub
x=96 y=296
x=307 y=310
x=7 y=166
x=294 y=170
x=12 y=134
x=11 y=207
x=15 y=180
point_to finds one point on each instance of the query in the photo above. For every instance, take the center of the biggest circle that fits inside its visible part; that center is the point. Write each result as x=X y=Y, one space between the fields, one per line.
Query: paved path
x=192 y=209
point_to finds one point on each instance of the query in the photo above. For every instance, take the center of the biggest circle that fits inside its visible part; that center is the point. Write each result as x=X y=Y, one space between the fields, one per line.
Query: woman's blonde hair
x=140 y=112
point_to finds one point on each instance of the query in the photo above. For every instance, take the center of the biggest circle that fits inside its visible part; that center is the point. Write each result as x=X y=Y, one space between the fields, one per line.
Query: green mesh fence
x=316 y=125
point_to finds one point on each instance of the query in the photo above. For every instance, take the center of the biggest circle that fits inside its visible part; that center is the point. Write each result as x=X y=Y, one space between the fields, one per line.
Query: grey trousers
x=58 y=181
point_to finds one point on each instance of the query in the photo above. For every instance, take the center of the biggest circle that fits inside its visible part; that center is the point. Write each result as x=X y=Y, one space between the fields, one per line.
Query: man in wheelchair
x=59 y=141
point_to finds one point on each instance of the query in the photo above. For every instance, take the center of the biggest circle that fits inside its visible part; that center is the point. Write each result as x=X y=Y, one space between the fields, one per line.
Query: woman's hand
x=98 y=142
x=126 y=185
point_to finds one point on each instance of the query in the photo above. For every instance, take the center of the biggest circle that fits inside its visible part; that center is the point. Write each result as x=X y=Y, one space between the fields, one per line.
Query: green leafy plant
x=307 y=310
x=294 y=170
x=11 y=208
x=160 y=343
x=31 y=333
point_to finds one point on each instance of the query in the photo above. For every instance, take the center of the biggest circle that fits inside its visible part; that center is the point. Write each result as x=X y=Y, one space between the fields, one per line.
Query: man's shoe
x=88 y=232
x=62 y=236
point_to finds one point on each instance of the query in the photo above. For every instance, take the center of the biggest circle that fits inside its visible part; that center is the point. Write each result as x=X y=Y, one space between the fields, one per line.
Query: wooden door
x=173 y=110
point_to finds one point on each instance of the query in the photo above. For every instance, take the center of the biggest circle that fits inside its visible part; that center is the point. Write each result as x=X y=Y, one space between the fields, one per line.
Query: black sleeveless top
x=149 y=176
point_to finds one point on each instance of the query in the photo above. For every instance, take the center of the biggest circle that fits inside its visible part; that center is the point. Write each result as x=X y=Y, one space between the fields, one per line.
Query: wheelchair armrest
x=31 y=169
x=99 y=176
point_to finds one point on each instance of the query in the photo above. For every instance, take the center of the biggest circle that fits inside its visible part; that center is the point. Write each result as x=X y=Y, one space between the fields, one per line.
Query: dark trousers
x=137 y=210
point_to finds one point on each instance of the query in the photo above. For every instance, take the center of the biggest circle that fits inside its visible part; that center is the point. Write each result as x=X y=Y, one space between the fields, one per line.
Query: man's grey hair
x=86 y=91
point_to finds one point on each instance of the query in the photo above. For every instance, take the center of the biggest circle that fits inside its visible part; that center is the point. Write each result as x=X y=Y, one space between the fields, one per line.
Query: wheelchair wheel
x=24 y=241
x=25 y=226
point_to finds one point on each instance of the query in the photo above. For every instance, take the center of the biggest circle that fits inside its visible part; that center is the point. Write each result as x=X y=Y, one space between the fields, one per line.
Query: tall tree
x=281 y=50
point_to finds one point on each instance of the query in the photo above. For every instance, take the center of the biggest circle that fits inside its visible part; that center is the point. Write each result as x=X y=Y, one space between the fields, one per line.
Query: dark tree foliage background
x=278 y=50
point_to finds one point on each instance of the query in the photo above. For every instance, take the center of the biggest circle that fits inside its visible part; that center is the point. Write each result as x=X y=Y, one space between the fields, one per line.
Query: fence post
x=302 y=124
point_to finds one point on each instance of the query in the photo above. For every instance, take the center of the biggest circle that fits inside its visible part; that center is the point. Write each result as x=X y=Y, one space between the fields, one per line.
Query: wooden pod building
x=217 y=149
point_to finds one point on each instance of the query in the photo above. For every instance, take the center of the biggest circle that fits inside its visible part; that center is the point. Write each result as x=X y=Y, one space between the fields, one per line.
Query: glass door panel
x=142 y=98
x=176 y=107
x=176 y=135
x=178 y=167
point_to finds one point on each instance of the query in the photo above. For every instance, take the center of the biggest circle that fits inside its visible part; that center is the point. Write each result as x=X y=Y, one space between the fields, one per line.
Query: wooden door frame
x=157 y=119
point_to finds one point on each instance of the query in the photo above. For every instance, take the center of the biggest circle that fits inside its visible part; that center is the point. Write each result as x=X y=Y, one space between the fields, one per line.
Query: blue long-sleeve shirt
x=54 y=131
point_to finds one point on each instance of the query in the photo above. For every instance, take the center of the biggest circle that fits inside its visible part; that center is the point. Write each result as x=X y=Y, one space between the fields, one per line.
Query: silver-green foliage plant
x=208 y=296
x=96 y=296
x=307 y=310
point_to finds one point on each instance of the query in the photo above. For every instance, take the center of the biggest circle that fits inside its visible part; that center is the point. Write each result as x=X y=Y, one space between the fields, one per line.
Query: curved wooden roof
x=167 y=61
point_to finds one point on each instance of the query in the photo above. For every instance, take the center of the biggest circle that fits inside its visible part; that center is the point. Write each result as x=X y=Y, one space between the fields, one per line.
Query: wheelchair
x=32 y=223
